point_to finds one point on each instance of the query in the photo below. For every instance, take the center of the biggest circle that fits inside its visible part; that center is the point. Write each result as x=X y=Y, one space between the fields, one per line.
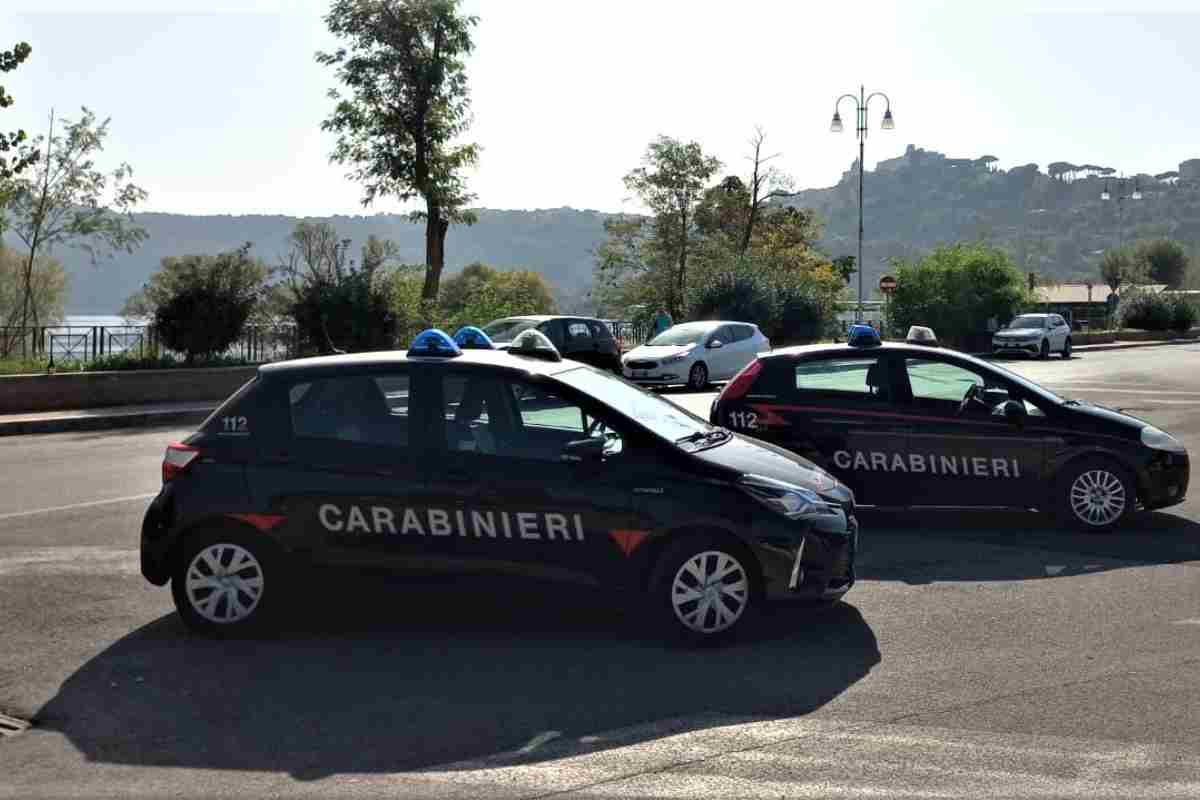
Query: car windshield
x=689 y=333
x=505 y=330
x=1028 y=321
x=662 y=417
x=1027 y=385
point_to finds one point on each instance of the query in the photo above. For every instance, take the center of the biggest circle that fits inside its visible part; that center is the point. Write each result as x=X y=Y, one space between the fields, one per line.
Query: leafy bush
x=1147 y=311
x=800 y=317
x=352 y=313
x=735 y=296
x=120 y=362
x=956 y=289
x=1183 y=314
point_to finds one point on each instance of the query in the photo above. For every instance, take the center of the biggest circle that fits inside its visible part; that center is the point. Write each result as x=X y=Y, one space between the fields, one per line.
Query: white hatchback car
x=1035 y=335
x=695 y=353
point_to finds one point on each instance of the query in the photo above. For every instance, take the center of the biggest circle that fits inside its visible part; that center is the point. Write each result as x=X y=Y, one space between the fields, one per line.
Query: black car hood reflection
x=763 y=458
x=1114 y=417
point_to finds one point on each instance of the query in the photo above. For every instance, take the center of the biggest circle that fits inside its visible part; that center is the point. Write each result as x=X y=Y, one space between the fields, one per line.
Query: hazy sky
x=217 y=104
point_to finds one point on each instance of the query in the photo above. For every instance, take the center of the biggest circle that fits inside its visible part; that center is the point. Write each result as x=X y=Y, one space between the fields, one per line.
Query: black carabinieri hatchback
x=463 y=461
x=906 y=426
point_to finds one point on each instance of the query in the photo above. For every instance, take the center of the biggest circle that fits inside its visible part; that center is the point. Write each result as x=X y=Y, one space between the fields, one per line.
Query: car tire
x=1066 y=351
x=1045 y=351
x=698 y=376
x=703 y=589
x=1094 y=494
x=227 y=582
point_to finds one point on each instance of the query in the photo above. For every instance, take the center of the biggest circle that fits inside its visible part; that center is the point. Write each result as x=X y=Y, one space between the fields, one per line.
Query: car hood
x=1019 y=332
x=1109 y=415
x=756 y=457
x=658 y=351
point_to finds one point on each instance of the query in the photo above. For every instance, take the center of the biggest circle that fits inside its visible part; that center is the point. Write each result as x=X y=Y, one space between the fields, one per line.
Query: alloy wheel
x=710 y=592
x=698 y=377
x=1098 y=497
x=224 y=583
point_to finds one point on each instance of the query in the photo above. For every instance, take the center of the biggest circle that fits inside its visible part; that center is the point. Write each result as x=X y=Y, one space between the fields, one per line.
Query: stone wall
x=78 y=390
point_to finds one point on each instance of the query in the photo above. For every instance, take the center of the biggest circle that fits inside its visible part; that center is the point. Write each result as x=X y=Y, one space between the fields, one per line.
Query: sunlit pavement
x=981 y=655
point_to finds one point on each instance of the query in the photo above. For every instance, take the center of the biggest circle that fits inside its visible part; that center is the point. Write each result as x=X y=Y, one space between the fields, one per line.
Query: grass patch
x=118 y=362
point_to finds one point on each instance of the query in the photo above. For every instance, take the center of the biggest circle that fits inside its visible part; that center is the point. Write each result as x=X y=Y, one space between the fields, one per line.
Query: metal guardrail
x=84 y=343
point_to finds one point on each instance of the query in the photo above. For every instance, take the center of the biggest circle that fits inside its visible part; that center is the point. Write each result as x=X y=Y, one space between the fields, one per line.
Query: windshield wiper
x=704 y=436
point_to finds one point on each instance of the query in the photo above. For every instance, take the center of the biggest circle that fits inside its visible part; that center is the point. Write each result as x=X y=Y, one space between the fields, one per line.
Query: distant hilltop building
x=1189 y=170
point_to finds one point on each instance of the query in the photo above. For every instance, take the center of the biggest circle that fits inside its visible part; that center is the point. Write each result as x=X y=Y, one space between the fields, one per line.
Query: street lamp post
x=1136 y=194
x=860 y=106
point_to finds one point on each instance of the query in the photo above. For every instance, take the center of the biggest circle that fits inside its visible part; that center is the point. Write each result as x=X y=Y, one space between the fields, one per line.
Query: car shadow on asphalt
x=926 y=546
x=387 y=675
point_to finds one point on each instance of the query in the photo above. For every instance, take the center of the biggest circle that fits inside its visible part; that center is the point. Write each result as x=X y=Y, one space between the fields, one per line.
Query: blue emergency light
x=469 y=337
x=863 y=336
x=433 y=343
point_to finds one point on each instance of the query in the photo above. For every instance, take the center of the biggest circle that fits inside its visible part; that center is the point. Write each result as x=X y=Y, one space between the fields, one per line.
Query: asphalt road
x=983 y=655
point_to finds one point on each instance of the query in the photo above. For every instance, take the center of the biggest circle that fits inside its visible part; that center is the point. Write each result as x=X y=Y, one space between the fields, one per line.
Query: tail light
x=176 y=460
x=741 y=383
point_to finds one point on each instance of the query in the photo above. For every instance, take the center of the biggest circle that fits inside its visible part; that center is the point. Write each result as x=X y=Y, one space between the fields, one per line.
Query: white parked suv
x=695 y=353
x=1035 y=335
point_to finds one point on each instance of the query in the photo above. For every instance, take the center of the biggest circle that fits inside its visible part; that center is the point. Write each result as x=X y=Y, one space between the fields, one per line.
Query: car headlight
x=1161 y=440
x=676 y=358
x=792 y=501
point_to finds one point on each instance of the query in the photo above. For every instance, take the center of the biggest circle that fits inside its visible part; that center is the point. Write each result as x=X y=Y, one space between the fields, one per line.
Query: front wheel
x=702 y=589
x=698 y=376
x=1095 y=495
x=1066 y=351
x=225 y=583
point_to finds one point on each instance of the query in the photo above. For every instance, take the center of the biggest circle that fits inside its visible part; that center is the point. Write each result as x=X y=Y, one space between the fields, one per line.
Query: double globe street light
x=860 y=103
x=1136 y=194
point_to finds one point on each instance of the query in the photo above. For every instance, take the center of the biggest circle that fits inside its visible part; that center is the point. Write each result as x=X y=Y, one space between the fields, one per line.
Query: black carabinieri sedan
x=478 y=460
x=906 y=426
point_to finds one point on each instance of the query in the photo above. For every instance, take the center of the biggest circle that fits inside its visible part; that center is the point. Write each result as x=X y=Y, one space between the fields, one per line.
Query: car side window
x=863 y=377
x=937 y=380
x=547 y=422
x=721 y=335
x=372 y=409
x=600 y=331
x=472 y=413
x=743 y=332
x=578 y=332
x=554 y=332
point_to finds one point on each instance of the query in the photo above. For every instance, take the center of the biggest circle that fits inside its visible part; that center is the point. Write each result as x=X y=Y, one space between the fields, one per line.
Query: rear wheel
x=1045 y=352
x=226 y=582
x=702 y=589
x=698 y=376
x=1095 y=495
x=1066 y=351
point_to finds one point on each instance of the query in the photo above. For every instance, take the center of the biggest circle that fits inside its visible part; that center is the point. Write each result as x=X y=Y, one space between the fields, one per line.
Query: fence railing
x=57 y=344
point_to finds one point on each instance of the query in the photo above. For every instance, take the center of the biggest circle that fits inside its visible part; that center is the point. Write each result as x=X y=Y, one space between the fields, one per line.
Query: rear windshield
x=505 y=330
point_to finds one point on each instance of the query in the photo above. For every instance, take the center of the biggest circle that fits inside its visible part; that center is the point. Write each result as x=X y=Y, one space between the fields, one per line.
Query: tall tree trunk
x=435 y=251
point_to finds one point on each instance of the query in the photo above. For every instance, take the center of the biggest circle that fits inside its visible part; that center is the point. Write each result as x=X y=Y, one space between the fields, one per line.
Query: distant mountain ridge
x=1052 y=225
x=554 y=242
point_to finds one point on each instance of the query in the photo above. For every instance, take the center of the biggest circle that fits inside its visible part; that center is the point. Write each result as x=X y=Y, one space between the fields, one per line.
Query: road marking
x=539 y=740
x=73 y=506
x=71 y=561
x=1186 y=622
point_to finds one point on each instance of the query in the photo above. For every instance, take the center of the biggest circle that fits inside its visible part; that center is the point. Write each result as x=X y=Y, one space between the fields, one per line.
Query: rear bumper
x=156 y=541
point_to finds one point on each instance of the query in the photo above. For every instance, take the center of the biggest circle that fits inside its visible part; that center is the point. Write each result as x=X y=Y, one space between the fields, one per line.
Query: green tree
x=956 y=289
x=67 y=200
x=670 y=183
x=49 y=283
x=200 y=304
x=845 y=267
x=1120 y=267
x=1163 y=261
x=234 y=273
x=11 y=166
x=406 y=103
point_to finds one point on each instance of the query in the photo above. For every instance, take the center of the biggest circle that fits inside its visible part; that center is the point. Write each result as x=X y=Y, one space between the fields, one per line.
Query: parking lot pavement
x=980 y=655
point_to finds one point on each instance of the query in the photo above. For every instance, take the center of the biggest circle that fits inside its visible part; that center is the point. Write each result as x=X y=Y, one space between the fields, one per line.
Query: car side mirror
x=715 y=344
x=581 y=450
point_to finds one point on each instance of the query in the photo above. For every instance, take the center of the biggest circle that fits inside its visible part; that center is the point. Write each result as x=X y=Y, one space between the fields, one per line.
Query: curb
x=97 y=422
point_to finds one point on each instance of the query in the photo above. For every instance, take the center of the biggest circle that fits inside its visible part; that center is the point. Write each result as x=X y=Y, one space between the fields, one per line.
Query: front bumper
x=819 y=567
x=1166 y=481
x=664 y=376
x=999 y=346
